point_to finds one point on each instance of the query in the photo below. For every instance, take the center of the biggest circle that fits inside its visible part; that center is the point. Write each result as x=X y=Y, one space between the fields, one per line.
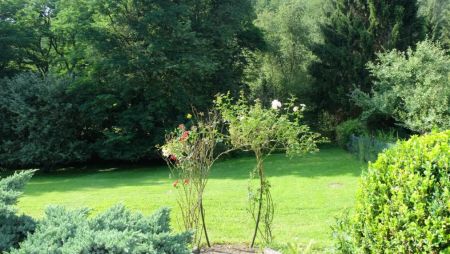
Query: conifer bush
x=13 y=227
x=403 y=204
x=117 y=230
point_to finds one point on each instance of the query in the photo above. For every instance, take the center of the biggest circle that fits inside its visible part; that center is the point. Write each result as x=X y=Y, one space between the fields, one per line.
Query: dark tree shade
x=134 y=69
x=353 y=32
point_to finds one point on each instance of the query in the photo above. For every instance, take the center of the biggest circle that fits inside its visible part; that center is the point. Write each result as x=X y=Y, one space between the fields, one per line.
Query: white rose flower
x=276 y=104
x=303 y=106
x=166 y=152
x=295 y=109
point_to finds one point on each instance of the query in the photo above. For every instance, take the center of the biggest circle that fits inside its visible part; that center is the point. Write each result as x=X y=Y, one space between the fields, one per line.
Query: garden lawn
x=308 y=193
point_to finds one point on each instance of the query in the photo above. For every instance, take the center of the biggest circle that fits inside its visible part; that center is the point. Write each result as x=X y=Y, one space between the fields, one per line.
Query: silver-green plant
x=117 y=230
x=413 y=87
x=13 y=227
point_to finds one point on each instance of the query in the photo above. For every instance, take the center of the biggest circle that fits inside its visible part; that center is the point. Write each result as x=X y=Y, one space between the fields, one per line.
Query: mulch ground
x=234 y=249
x=228 y=249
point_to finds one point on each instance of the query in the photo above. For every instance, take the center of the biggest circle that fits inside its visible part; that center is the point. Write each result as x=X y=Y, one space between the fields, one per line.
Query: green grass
x=308 y=193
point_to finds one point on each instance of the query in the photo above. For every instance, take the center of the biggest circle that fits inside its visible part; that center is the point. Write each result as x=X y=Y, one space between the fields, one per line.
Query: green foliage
x=353 y=32
x=40 y=126
x=117 y=230
x=152 y=61
x=13 y=228
x=295 y=248
x=42 y=35
x=347 y=128
x=411 y=87
x=135 y=68
x=281 y=69
x=252 y=127
x=403 y=201
x=437 y=16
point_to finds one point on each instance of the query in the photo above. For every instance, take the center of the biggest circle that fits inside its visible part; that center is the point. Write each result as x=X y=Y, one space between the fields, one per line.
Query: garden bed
x=235 y=249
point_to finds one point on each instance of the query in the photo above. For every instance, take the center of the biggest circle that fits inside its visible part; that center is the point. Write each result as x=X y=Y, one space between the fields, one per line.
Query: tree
x=134 y=67
x=281 y=69
x=43 y=36
x=353 y=32
x=40 y=125
x=153 y=60
x=437 y=17
x=413 y=87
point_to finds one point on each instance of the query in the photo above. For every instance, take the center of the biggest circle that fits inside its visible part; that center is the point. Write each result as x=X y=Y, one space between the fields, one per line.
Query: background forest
x=102 y=80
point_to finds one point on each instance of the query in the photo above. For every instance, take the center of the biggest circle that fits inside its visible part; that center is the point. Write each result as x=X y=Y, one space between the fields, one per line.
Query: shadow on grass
x=330 y=161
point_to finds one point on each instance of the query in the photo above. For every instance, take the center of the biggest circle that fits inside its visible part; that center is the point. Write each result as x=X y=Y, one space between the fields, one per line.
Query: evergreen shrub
x=403 y=204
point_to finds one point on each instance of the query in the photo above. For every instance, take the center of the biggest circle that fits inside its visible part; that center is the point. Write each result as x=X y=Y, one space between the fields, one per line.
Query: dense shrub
x=40 y=126
x=13 y=227
x=412 y=87
x=115 y=231
x=345 y=129
x=403 y=201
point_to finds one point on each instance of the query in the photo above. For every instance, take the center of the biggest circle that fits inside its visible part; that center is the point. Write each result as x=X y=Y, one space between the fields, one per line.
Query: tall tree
x=437 y=16
x=353 y=32
x=42 y=35
x=155 y=59
x=281 y=69
x=133 y=68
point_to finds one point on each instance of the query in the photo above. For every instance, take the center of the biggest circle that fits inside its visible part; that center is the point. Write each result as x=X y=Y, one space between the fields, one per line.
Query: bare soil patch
x=228 y=249
x=235 y=249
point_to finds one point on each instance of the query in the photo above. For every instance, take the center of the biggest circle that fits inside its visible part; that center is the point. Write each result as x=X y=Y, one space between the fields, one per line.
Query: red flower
x=186 y=181
x=181 y=127
x=184 y=136
x=172 y=157
x=175 y=183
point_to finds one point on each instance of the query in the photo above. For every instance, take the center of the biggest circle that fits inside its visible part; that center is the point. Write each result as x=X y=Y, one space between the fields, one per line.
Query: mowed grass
x=308 y=192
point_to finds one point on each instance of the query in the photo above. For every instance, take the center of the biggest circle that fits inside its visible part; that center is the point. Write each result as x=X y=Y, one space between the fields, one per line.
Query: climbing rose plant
x=253 y=127
x=189 y=151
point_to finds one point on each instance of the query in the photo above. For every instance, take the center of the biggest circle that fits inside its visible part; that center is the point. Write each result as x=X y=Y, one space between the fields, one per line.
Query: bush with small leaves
x=403 y=204
x=412 y=87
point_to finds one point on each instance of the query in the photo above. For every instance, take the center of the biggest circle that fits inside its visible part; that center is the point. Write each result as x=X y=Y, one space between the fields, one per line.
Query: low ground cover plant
x=14 y=227
x=117 y=230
